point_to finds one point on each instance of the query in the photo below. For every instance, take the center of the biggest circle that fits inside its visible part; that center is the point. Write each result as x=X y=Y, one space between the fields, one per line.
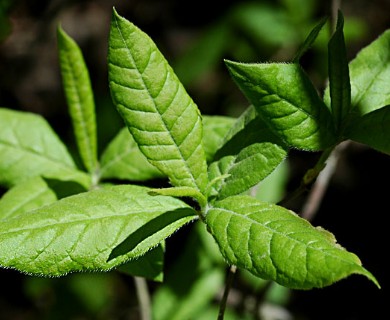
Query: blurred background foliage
x=195 y=37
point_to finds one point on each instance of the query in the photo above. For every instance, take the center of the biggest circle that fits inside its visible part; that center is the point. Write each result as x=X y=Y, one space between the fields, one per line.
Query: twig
x=143 y=298
x=319 y=187
x=229 y=283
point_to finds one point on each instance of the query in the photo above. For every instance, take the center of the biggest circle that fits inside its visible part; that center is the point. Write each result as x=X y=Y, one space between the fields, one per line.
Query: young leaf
x=214 y=130
x=274 y=243
x=95 y=230
x=246 y=169
x=123 y=160
x=372 y=129
x=79 y=95
x=30 y=148
x=309 y=40
x=163 y=119
x=248 y=129
x=339 y=83
x=249 y=153
x=370 y=76
x=287 y=101
x=26 y=196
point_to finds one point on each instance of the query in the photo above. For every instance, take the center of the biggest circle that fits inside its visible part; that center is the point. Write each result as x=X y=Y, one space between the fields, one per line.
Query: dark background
x=354 y=208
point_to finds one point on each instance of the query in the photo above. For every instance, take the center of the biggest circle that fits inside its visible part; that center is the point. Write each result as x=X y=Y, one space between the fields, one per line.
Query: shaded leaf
x=184 y=294
x=214 y=131
x=95 y=230
x=123 y=160
x=370 y=76
x=372 y=129
x=248 y=129
x=306 y=45
x=274 y=243
x=205 y=54
x=339 y=83
x=163 y=119
x=149 y=266
x=27 y=196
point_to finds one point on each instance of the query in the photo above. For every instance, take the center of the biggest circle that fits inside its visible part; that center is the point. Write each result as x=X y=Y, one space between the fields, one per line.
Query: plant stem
x=143 y=297
x=229 y=283
x=309 y=177
x=319 y=188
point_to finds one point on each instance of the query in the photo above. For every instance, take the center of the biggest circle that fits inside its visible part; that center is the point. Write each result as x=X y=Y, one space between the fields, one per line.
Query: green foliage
x=80 y=99
x=58 y=219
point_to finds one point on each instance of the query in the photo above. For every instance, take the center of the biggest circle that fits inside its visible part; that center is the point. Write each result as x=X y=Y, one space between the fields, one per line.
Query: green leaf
x=214 y=130
x=339 y=83
x=287 y=101
x=78 y=91
x=370 y=76
x=245 y=170
x=95 y=230
x=27 y=196
x=149 y=266
x=273 y=187
x=123 y=160
x=181 y=192
x=159 y=113
x=274 y=243
x=309 y=40
x=250 y=152
x=248 y=129
x=372 y=129
x=31 y=148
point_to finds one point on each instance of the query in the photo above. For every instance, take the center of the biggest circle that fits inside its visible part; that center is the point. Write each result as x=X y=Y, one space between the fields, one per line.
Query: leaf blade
x=339 y=82
x=370 y=73
x=96 y=230
x=372 y=129
x=78 y=91
x=123 y=160
x=273 y=243
x=32 y=148
x=161 y=116
x=287 y=101
x=27 y=196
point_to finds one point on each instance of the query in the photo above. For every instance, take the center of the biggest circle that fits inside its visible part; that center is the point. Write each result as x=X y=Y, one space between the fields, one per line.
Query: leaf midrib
x=155 y=106
x=280 y=233
x=79 y=110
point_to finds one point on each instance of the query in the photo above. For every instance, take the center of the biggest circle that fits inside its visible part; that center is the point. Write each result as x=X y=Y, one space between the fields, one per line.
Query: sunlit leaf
x=95 y=230
x=274 y=243
x=29 y=147
x=78 y=91
x=163 y=119
x=287 y=101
